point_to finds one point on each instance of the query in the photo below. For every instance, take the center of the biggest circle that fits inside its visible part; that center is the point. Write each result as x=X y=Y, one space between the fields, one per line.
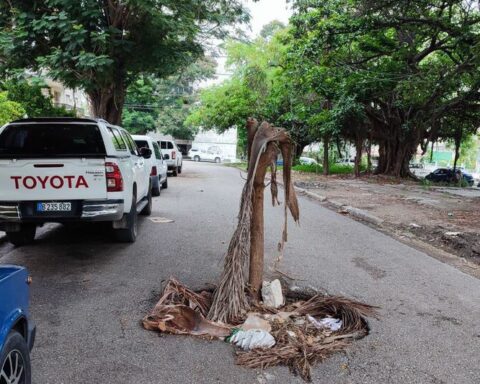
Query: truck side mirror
x=146 y=153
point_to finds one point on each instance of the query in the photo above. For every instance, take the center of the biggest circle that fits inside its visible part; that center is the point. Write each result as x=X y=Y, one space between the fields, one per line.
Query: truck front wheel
x=15 y=360
x=25 y=236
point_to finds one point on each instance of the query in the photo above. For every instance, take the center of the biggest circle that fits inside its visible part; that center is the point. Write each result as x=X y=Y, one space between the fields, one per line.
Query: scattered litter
x=327 y=322
x=251 y=339
x=272 y=294
x=280 y=316
x=414 y=225
x=160 y=220
x=293 y=339
x=254 y=321
x=450 y=214
x=452 y=234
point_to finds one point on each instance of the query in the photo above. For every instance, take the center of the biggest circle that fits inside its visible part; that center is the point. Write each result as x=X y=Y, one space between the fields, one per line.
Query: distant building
x=70 y=99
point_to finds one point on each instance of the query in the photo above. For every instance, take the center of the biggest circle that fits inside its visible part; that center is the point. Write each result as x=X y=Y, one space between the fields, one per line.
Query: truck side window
x=163 y=144
x=131 y=144
x=170 y=145
x=156 y=149
x=117 y=139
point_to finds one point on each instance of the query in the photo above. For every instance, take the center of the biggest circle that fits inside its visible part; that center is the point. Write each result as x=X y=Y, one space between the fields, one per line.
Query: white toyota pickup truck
x=68 y=170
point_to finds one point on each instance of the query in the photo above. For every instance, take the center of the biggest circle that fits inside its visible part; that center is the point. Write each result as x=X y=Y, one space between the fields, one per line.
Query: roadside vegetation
x=397 y=75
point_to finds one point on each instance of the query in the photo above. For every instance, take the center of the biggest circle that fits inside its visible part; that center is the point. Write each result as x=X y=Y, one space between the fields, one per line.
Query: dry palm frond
x=351 y=312
x=177 y=293
x=230 y=302
x=296 y=347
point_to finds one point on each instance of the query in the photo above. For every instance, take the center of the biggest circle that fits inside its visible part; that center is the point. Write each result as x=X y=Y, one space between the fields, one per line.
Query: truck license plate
x=54 y=207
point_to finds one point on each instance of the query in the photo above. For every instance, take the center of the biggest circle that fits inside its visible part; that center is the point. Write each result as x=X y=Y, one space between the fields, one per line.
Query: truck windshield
x=51 y=140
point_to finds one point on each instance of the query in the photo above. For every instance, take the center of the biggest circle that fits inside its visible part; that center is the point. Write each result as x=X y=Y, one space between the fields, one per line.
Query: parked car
x=156 y=164
x=17 y=330
x=172 y=155
x=307 y=160
x=350 y=162
x=70 y=170
x=205 y=155
x=447 y=175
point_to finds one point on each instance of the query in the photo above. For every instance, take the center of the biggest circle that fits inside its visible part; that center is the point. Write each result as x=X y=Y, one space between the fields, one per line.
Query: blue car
x=17 y=330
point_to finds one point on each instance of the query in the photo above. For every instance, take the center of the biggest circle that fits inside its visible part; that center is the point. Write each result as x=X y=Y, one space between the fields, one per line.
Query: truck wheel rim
x=13 y=369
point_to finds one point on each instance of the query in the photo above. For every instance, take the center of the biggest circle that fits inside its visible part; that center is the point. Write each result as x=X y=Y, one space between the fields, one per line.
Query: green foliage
x=138 y=122
x=335 y=169
x=31 y=98
x=397 y=73
x=9 y=110
x=102 y=47
x=164 y=104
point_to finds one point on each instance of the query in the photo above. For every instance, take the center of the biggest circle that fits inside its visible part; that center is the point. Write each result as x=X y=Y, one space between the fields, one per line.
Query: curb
x=355 y=212
x=352 y=211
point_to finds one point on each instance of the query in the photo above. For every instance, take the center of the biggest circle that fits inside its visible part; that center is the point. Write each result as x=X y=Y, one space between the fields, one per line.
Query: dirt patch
x=446 y=218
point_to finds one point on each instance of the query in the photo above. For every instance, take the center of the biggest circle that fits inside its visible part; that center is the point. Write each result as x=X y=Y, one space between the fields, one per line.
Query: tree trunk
x=395 y=156
x=369 y=156
x=339 y=148
x=358 y=156
x=326 y=167
x=458 y=141
x=107 y=103
x=299 y=147
x=255 y=278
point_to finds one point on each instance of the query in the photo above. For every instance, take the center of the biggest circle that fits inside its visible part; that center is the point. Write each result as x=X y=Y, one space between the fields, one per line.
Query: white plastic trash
x=251 y=339
x=327 y=322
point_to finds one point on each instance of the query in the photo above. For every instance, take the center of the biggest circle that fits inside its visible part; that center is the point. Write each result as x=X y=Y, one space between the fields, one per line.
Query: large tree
x=154 y=104
x=413 y=67
x=102 y=45
x=260 y=86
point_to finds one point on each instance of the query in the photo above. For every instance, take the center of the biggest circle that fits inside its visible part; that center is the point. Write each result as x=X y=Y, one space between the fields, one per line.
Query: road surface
x=89 y=295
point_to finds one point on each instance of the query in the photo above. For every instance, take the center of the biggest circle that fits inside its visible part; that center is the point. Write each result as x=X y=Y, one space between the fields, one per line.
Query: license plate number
x=54 y=207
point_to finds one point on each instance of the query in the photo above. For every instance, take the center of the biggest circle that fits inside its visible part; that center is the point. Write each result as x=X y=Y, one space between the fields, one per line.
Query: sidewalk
x=445 y=218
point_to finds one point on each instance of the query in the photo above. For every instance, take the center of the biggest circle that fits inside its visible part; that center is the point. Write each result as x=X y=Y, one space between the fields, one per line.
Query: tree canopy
x=154 y=104
x=102 y=46
x=399 y=73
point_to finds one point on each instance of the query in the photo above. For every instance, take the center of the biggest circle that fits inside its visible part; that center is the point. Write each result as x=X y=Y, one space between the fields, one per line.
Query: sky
x=262 y=12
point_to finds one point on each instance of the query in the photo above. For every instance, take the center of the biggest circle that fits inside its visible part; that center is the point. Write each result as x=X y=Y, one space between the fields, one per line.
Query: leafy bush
x=9 y=110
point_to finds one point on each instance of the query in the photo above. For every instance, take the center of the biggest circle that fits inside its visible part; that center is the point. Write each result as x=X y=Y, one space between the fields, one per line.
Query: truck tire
x=218 y=160
x=165 y=184
x=15 y=359
x=147 y=210
x=25 y=236
x=175 y=171
x=180 y=169
x=156 y=190
x=129 y=234
x=196 y=158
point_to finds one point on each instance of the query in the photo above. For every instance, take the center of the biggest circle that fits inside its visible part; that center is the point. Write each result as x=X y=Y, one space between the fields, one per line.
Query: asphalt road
x=89 y=295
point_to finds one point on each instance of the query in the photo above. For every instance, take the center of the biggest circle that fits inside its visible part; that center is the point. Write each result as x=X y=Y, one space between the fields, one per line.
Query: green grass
x=335 y=169
x=242 y=166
